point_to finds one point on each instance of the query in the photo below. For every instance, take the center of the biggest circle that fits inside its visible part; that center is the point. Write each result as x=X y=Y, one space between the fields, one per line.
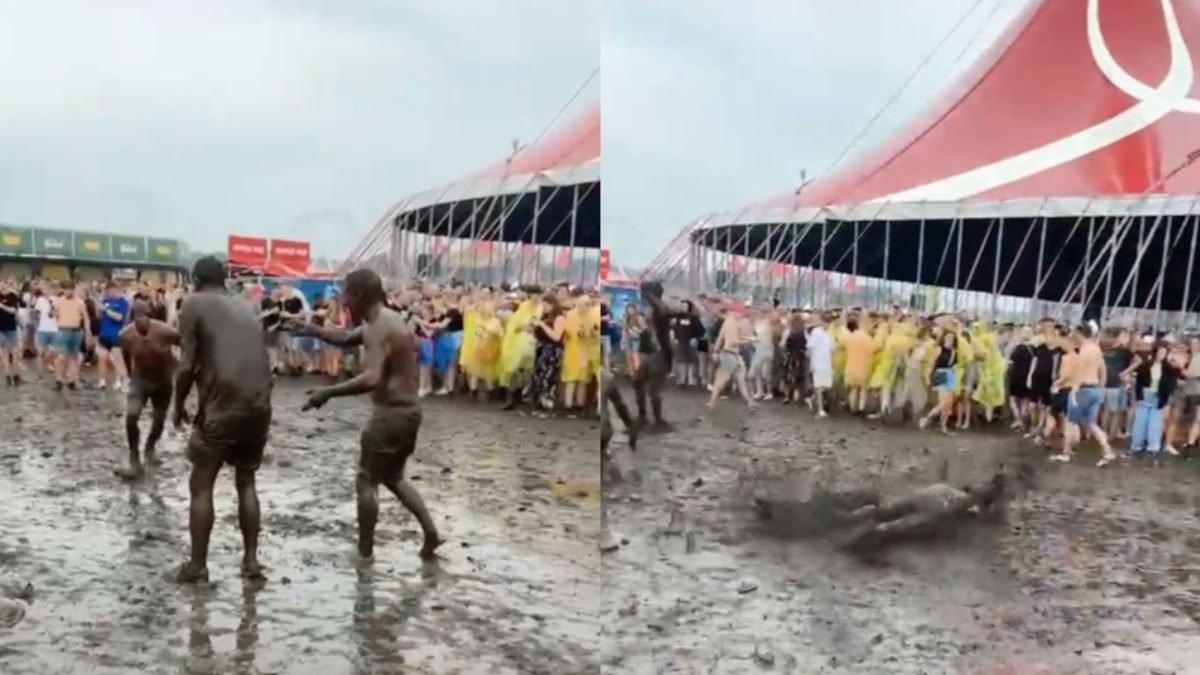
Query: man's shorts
x=1083 y=407
x=387 y=442
x=731 y=364
x=8 y=339
x=1116 y=399
x=44 y=340
x=140 y=391
x=107 y=343
x=68 y=341
x=229 y=437
x=822 y=379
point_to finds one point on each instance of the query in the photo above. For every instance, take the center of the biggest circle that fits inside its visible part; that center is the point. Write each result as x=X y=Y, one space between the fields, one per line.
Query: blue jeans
x=1084 y=406
x=1147 y=425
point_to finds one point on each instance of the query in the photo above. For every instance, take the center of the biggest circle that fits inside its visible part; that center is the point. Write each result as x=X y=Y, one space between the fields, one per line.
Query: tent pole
x=1187 y=283
x=1087 y=265
x=574 y=219
x=1106 y=311
x=825 y=285
x=1041 y=259
x=854 y=261
x=1162 y=274
x=1136 y=276
x=885 y=294
x=996 y=267
x=920 y=265
x=504 y=210
x=958 y=263
x=792 y=265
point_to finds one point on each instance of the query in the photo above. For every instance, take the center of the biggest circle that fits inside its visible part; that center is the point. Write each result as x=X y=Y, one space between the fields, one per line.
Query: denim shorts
x=8 y=339
x=68 y=341
x=45 y=340
x=1116 y=399
x=1083 y=406
x=945 y=379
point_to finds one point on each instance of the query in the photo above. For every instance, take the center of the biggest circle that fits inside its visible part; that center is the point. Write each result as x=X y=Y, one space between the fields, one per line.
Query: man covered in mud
x=390 y=376
x=146 y=345
x=656 y=363
x=926 y=512
x=223 y=352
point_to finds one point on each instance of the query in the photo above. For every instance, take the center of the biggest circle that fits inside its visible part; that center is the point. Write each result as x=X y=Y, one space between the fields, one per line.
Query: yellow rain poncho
x=840 y=335
x=518 y=347
x=989 y=392
x=883 y=362
x=575 y=366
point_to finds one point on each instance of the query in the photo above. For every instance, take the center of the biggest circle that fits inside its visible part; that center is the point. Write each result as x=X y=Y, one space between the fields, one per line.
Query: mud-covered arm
x=123 y=341
x=189 y=326
x=376 y=344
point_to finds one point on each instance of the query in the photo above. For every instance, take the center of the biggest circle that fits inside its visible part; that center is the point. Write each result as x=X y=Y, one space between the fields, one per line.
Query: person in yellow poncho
x=576 y=367
x=890 y=374
x=466 y=356
x=592 y=320
x=837 y=331
x=517 y=349
x=989 y=392
x=881 y=362
x=860 y=348
x=482 y=362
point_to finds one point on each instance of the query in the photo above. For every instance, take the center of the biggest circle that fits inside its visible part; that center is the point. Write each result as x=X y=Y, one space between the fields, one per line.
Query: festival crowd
x=512 y=345
x=1052 y=382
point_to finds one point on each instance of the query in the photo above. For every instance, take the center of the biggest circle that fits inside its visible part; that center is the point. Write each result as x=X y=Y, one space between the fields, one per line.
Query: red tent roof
x=1080 y=98
x=574 y=144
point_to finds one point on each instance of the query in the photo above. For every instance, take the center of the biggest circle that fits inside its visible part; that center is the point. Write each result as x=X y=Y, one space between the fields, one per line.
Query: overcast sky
x=710 y=104
x=288 y=118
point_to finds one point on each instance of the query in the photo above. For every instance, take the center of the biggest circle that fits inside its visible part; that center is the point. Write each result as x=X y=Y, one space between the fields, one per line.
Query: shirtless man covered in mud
x=146 y=346
x=390 y=376
x=621 y=466
x=224 y=353
x=656 y=363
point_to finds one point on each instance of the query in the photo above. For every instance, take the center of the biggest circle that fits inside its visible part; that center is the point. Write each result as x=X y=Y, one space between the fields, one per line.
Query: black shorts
x=236 y=438
x=387 y=442
x=1018 y=388
x=1059 y=401
x=140 y=391
x=107 y=343
x=1039 y=390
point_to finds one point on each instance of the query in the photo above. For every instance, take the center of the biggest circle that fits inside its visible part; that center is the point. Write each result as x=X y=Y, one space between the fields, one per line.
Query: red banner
x=293 y=254
x=605 y=263
x=247 y=251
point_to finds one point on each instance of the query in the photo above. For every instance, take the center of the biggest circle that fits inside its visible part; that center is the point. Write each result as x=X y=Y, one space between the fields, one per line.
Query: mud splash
x=1092 y=571
x=517 y=590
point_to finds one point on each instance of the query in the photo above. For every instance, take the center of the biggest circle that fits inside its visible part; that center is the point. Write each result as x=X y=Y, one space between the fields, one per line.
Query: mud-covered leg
x=249 y=519
x=367 y=492
x=161 y=403
x=408 y=495
x=200 y=522
x=133 y=413
x=639 y=391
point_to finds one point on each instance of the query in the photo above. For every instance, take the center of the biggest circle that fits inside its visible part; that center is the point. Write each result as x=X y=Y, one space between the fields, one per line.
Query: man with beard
x=146 y=347
x=390 y=376
x=224 y=353
x=656 y=363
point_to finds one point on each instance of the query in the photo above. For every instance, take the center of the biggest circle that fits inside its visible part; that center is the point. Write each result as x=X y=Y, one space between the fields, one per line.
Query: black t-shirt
x=293 y=305
x=946 y=358
x=1020 y=362
x=273 y=319
x=1044 y=362
x=605 y=321
x=456 y=321
x=1116 y=361
x=549 y=320
x=8 y=322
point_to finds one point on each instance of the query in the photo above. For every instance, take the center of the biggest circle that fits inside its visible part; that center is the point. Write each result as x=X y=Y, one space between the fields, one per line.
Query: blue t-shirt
x=110 y=329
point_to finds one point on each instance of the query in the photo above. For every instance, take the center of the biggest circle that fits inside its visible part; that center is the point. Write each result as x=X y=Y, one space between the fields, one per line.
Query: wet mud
x=517 y=589
x=1087 y=571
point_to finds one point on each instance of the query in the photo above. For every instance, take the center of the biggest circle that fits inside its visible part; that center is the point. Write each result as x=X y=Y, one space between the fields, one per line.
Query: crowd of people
x=524 y=345
x=1057 y=384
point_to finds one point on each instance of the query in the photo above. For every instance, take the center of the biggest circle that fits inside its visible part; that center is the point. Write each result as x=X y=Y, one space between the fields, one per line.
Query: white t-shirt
x=45 y=311
x=820 y=350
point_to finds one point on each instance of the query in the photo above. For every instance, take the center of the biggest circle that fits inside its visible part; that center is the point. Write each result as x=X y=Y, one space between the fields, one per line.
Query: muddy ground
x=1091 y=571
x=517 y=590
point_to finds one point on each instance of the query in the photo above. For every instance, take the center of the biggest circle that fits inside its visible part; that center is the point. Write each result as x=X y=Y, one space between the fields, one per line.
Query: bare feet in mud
x=130 y=472
x=609 y=542
x=429 y=550
x=253 y=571
x=188 y=574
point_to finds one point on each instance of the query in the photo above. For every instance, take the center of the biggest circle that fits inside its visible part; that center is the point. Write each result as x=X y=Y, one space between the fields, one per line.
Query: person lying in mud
x=656 y=358
x=146 y=346
x=611 y=395
x=222 y=351
x=926 y=512
x=390 y=376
